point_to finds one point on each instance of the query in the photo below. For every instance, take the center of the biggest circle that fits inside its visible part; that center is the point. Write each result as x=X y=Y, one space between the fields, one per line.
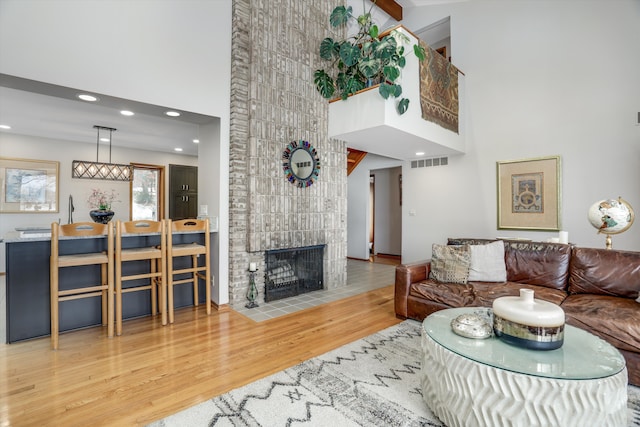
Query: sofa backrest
x=538 y=263
x=605 y=272
x=533 y=263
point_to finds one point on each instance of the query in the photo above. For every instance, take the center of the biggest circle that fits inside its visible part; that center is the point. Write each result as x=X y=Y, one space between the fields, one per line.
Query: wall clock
x=301 y=163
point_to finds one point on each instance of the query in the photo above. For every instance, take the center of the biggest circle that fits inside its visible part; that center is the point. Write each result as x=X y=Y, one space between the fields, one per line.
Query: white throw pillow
x=487 y=263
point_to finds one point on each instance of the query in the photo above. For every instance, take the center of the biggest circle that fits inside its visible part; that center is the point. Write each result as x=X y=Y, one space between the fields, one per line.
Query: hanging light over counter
x=97 y=170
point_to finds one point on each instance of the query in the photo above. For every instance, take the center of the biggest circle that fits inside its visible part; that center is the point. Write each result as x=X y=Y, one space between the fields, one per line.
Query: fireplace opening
x=294 y=271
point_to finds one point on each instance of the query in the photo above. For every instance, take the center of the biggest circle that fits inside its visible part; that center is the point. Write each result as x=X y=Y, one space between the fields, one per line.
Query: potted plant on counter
x=100 y=203
x=362 y=60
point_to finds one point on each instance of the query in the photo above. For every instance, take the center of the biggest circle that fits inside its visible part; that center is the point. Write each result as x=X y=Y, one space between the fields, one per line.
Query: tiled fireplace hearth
x=291 y=272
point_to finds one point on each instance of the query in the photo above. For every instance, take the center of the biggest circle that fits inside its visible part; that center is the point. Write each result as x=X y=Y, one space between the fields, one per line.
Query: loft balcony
x=368 y=122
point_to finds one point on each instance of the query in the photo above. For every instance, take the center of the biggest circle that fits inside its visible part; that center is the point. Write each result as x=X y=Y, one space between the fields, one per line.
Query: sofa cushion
x=450 y=263
x=448 y=294
x=605 y=272
x=614 y=319
x=487 y=262
x=485 y=293
x=538 y=263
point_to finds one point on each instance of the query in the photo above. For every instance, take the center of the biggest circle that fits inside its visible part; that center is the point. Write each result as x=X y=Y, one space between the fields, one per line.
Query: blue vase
x=101 y=216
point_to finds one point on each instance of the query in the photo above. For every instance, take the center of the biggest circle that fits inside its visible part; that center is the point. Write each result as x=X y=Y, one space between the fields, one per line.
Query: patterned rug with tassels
x=374 y=381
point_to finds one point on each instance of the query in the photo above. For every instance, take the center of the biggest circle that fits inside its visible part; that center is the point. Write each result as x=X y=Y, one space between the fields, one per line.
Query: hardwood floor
x=153 y=371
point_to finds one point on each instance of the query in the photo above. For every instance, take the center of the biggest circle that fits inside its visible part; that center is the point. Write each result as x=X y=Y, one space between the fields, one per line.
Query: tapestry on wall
x=439 y=89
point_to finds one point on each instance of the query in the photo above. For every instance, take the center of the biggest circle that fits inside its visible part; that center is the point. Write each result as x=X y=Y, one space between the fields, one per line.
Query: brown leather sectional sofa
x=597 y=289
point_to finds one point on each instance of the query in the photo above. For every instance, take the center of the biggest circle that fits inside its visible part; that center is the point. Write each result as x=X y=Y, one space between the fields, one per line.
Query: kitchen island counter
x=27 y=282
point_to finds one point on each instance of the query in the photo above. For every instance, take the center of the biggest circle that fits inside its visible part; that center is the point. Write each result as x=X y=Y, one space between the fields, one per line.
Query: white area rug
x=374 y=381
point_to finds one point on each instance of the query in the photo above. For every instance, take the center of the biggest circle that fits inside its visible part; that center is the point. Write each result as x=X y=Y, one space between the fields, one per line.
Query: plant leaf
x=391 y=73
x=349 y=54
x=328 y=48
x=386 y=48
x=373 y=31
x=402 y=106
x=385 y=90
x=402 y=61
x=419 y=52
x=370 y=67
x=363 y=20
x=340 y=16
x=353 y=85
x=324 y=83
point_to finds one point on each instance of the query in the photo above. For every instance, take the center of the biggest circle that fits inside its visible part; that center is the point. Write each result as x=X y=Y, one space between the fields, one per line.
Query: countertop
x=44 y=234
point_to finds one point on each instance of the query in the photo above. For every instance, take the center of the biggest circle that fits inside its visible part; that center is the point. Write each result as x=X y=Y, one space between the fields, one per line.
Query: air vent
x=426 y=163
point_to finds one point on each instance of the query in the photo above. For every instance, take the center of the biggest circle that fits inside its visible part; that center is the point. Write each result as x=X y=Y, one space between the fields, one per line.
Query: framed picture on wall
x=529 y=194
x=28 y=186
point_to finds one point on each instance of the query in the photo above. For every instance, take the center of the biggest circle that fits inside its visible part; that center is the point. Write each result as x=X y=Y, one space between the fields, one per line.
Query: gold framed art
x=529 y=194
x=28 y=186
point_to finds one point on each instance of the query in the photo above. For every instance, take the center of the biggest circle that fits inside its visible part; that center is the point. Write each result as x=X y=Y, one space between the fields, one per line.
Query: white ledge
x=367 y=122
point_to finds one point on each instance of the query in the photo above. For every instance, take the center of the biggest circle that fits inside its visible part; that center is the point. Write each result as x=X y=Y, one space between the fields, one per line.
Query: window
x=147 y=192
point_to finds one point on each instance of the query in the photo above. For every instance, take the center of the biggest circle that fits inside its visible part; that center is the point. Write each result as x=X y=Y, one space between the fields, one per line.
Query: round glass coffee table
x=486 y=382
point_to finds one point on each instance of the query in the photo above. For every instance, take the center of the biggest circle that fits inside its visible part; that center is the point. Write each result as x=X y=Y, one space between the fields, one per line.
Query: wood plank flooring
x=153 y=371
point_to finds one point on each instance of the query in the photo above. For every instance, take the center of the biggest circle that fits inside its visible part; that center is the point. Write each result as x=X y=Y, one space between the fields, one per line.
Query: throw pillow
x=487 y=263
x=450 y=263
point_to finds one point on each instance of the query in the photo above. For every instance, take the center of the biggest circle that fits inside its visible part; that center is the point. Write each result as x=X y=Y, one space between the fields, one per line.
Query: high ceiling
x=49 y=111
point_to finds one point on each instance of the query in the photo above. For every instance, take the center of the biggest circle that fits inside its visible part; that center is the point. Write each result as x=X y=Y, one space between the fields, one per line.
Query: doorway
x=385 y=212
x=372 y=214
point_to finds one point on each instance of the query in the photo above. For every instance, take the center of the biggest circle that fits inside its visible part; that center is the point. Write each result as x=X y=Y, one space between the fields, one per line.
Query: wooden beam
x=391 y=7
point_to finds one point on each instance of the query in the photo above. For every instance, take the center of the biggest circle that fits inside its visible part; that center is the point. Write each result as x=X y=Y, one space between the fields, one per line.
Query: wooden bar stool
x=157 y=257
x=192 y=250
x=105 y=259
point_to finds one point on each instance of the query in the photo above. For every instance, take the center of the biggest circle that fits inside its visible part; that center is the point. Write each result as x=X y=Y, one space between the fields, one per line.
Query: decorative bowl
x=470 y=325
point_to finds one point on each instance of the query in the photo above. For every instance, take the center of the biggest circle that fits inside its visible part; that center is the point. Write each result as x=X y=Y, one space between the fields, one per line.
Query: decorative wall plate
x=301 y=163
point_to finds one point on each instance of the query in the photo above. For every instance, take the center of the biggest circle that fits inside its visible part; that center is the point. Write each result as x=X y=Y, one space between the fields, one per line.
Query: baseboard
x=388 y=256
x=221 y=308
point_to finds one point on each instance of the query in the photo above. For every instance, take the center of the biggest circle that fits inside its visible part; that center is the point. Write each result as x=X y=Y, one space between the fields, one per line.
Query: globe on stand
x=611 y=216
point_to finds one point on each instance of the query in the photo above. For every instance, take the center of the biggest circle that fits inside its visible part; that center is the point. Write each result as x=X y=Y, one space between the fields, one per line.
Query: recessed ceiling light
x=5 y=127
x=87 y=97
x=420 y=153
x=127 y=113
x=172 y=114
x=177 y=149
x=196 y=141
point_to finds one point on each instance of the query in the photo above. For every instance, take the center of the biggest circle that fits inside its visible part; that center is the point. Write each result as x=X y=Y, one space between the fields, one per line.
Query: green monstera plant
x=363 y=60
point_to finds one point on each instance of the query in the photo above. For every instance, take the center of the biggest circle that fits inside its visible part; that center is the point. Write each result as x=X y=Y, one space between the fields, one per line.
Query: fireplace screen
x=294 y=271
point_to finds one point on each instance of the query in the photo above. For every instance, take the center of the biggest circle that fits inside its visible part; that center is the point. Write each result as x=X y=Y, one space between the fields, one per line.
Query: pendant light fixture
x=97 y=170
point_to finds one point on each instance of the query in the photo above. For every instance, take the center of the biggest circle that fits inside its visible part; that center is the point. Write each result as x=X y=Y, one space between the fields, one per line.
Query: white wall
x=210 y=185
x=388 y=211
x=28 y=147
x=174 y=53
x=358 y=221
x=542 y=78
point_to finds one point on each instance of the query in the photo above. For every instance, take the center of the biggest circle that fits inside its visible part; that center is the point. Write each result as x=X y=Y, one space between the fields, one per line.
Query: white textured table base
x=461 y=392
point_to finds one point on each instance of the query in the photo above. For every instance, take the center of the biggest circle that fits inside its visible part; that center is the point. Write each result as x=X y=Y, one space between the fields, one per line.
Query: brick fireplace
x=274 y=101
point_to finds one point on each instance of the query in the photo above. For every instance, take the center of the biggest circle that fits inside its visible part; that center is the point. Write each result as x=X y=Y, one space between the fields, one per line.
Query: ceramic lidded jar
x=528 y=322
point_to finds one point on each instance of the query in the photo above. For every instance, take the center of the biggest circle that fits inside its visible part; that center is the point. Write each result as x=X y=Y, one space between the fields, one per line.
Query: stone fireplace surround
x=274 y=101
